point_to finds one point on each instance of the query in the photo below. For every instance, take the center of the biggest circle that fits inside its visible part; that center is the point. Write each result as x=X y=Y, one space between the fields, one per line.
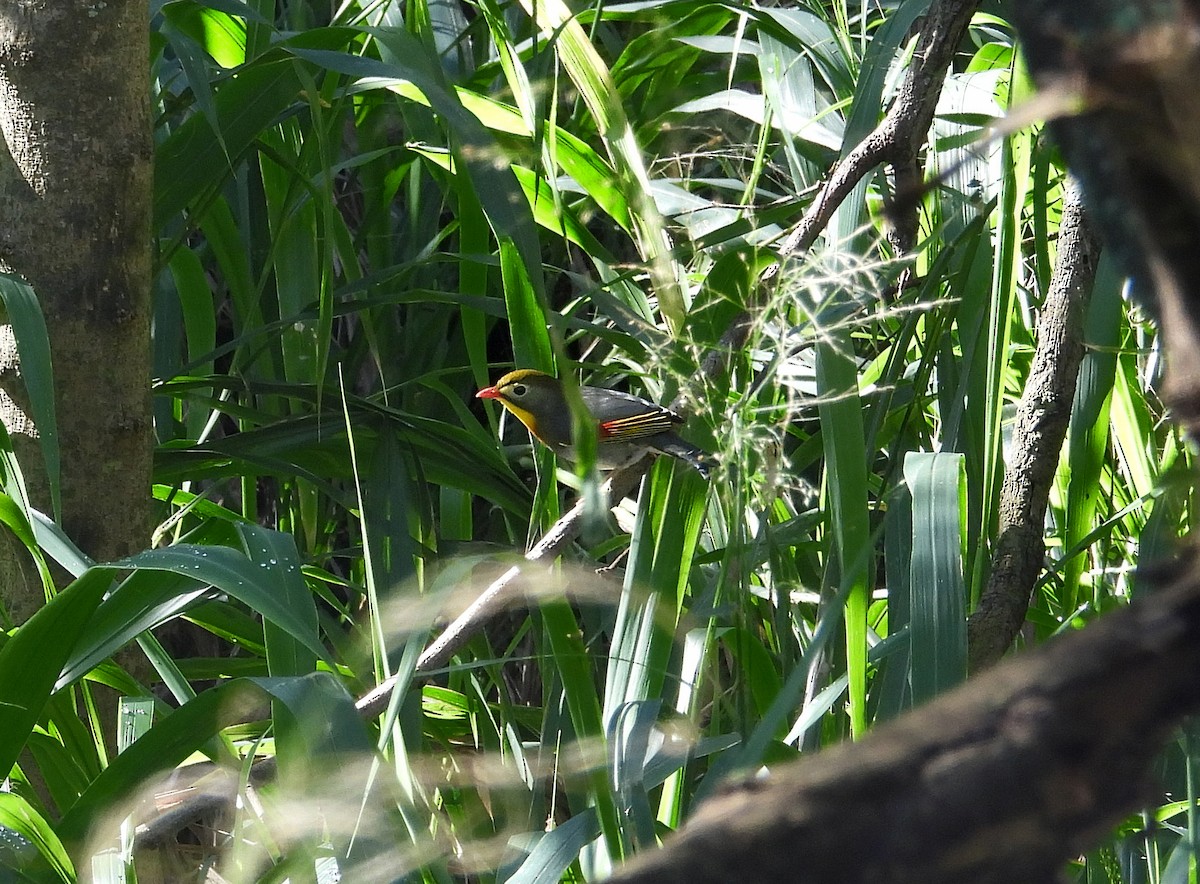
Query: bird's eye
x=519 y=389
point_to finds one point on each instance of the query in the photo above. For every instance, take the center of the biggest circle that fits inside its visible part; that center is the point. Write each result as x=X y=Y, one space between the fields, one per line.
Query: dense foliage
x=362 y=216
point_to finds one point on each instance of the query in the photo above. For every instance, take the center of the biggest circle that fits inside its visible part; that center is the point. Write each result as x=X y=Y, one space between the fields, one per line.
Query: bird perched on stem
x=626 y=426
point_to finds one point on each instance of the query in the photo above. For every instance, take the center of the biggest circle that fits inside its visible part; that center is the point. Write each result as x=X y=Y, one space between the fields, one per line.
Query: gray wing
x=626 y=416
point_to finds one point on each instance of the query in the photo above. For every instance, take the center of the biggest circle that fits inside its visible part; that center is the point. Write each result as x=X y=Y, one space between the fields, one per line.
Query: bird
x=627 y=426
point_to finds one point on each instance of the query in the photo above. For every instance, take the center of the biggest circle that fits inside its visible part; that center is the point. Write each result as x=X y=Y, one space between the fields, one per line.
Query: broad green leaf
x=33 y=656
x=253 y=583
x=17 y=816
x=937 y=607
x=33 y=346
x=526 y=318
x=852 y=549
x=549 y=854
x=1090 y=427
x=287 y=654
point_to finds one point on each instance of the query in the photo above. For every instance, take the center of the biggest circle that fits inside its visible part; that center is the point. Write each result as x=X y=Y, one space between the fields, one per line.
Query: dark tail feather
x=699 y=460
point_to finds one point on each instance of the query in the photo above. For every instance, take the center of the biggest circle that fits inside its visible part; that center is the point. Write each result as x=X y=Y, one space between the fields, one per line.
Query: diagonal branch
x=499 y=595
x=899 y=135
x=1041 y=427
x=1004 y=779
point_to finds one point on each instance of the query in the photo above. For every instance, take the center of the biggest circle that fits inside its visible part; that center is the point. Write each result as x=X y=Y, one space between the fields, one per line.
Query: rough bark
x=1041 y=427
x=1033 y=761
x=1134 y=66
x=1005 y=779
x=75 y=196
x=899 y=136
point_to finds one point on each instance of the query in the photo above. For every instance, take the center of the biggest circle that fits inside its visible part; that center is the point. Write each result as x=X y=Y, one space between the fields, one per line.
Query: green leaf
x=840 y=411
x=255 y=584
x=552 y=852
x=275 y=552
x=33 y=347
x=526 y=318
x=937 y=609
x=17 y=816
x=32 y=658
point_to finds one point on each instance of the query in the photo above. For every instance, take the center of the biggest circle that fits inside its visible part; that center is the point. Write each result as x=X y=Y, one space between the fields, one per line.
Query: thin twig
x=905 y=124
x=500 y=593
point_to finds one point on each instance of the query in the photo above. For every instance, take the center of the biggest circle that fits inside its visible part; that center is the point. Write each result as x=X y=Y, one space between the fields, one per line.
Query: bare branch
x=899 y=135
x=499 y=594
x=1002 y=780
x=1135 y=145
x=1041 y=427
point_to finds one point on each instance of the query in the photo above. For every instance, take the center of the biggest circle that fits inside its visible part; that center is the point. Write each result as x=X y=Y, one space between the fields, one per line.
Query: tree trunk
x=75 y=199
